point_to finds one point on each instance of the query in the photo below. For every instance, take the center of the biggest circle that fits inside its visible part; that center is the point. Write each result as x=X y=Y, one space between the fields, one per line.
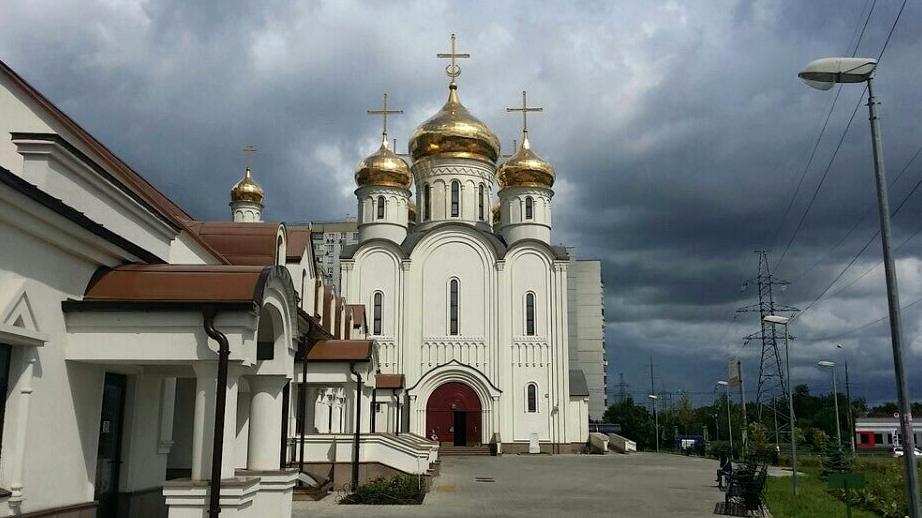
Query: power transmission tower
x=622 y=388
x=772 y=383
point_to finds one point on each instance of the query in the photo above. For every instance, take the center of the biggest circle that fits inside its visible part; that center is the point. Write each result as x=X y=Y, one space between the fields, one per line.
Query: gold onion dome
x=454 y=132
x=247 y=190
x=383 y=168
x=525 y=169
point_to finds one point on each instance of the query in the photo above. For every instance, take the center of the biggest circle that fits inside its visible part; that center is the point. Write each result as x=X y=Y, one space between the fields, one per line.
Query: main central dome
x=454 y=132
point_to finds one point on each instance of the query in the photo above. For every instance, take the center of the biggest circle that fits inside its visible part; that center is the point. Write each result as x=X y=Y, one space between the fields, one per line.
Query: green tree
x=636 y=422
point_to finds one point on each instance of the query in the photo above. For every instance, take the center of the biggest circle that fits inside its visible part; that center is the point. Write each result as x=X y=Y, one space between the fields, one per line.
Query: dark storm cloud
x=678 y=131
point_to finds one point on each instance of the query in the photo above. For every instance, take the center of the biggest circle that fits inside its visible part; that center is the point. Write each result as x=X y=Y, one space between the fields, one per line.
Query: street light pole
x=835 y=398
x=823 y=74
x=848 y=401
x=726 y=386
x=893 y=303
x=655 y=421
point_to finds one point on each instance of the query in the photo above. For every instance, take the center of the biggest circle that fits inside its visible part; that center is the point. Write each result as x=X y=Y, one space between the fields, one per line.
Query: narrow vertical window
x=480 y=203
x=378 y=309
x=529 y=208
x=532 y=397
x=427 y=202
x=530 y=314
x=381 y=207
x=453 y=308
x=455 y=199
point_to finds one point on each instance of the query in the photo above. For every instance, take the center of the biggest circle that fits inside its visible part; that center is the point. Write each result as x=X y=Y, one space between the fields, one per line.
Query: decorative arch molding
x=458 y=372
x=455 y=233
x=550 y=253
x=375 y=244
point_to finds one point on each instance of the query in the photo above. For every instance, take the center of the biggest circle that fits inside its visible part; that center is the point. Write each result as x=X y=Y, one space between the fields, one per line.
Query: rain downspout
x=358 y=426
x=217 y=448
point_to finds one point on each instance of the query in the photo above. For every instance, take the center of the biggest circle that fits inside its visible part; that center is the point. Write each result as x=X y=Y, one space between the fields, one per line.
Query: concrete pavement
x=629 y=486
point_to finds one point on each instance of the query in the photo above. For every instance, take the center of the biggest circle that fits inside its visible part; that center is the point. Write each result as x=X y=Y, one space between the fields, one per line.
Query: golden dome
x=247 y=190
x=411 y=212
x=525 y=169
x=383 y=168
x=453 y=131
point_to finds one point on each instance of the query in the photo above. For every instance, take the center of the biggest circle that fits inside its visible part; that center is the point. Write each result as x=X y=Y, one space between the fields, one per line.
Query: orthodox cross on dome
x=248 y=152
x=384 y=112
x=453 y=69
x=525 y=109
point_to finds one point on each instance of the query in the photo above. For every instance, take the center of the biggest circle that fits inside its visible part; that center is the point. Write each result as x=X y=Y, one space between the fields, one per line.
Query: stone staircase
x=457 y=451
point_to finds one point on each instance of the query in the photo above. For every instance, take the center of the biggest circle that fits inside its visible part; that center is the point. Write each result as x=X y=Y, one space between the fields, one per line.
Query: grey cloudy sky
x=678 y=130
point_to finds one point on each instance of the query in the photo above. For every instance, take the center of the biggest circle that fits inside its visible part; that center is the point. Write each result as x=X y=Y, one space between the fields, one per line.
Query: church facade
x=467 y=300
x=153 y=364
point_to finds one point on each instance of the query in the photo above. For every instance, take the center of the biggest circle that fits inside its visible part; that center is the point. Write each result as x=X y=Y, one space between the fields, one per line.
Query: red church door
x=453 y=415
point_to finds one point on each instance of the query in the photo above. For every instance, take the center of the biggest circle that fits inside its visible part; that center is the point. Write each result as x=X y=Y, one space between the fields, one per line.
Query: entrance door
x=453 y=415
x=460 y=429
x=108 y=456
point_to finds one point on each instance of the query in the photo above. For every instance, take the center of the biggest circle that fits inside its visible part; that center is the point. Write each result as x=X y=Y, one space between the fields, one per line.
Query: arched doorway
x=453 y=415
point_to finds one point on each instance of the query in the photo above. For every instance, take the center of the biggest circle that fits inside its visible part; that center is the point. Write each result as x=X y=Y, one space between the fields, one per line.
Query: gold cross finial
x=525 y=109
x=453 y=69
x=384 y=112
x=248 y=151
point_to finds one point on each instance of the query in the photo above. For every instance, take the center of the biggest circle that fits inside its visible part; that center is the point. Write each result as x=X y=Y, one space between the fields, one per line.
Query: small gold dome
x=383 y=168
x=411 y=212
x=247 y=190
x=525 y=169
x=453 y=131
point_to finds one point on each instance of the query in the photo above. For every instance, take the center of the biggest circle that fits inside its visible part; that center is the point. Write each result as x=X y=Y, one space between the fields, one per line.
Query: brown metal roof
x=388 y=381
x=126 y=177
x=251 y=244
x=167 y=283
x=340 y=351
x=298 y=241
x=358 y=314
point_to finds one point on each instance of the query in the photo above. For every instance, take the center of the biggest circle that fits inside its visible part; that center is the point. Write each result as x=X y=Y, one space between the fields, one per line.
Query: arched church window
x=378 y=310
x=529 y=208
x=530 y=314
x=480 y=203
x=455 y=198
x=427 y=202
x=453 y=293
x=531 y=395
x=381 y=203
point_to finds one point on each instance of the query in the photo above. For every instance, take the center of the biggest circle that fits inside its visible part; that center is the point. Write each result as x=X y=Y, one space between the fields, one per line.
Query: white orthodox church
x=152 y=364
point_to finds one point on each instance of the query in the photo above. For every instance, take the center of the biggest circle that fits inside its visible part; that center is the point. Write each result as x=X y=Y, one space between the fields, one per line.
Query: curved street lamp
x=726 y=385
x=783 y=321
x=823 y=74
x=826 y=364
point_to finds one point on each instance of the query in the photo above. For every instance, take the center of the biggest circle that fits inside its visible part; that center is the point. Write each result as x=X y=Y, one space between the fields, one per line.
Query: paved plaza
x=629 y=486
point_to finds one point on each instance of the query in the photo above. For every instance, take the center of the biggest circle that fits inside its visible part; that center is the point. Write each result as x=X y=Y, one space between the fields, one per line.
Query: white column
x=206 y=383
x=263 y=446
x=167 y=409
x=24 y=385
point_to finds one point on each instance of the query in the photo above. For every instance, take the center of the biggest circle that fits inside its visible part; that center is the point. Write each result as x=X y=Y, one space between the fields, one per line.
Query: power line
x=819 y=137
x=867 y=212
x=869 y=241
x=819 y=186
x=861 y=327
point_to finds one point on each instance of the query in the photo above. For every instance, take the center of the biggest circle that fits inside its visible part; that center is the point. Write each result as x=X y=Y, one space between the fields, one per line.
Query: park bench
x=744 y=494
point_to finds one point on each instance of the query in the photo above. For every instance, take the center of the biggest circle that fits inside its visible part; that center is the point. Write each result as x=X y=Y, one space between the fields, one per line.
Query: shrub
x=835 y=461
x=396 y=490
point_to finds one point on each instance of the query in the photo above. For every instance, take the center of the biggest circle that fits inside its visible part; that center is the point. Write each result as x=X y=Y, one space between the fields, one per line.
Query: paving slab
x=534 y=486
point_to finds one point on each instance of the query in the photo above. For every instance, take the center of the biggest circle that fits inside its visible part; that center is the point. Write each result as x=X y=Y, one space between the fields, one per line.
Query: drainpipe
x=217 y=448
x=358 y=426
x=302 y=397
x=372 y=414
x=397 y=397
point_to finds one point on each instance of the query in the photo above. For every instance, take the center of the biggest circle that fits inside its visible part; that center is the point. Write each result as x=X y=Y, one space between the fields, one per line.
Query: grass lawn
x=813 y=500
